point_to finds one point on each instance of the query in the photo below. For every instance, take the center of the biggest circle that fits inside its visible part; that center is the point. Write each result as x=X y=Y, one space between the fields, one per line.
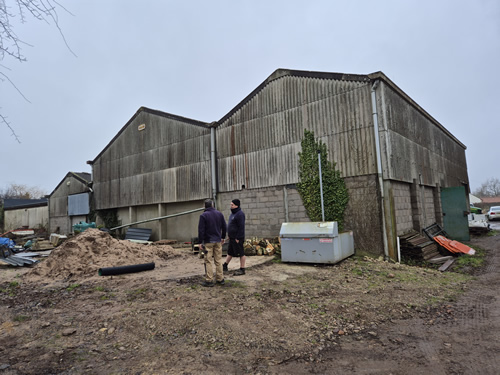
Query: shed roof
x=17 y=203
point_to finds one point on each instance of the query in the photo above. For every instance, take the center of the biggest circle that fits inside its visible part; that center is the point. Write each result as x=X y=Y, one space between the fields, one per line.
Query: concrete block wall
x=430 y=204
x=363 y=215
x=265 y=209
x=402 y=206
x=426 y=206
x=59 y=224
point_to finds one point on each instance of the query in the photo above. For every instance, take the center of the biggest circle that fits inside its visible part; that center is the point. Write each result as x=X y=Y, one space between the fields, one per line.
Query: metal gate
x=455 y=211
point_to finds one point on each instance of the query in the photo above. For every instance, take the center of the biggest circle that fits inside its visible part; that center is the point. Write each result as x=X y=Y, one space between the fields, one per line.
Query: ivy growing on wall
x=109 y=218
x=335 y=194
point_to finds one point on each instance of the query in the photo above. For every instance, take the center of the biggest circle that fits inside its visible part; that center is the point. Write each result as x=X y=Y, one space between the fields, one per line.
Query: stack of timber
x=418 y=247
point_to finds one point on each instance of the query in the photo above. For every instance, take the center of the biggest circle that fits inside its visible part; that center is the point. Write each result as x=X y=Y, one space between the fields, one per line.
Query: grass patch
x=72 y=287
x=465 y=261
x=11 y=289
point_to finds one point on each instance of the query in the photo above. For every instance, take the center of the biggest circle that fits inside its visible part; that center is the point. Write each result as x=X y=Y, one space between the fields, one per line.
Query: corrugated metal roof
x=15 y=203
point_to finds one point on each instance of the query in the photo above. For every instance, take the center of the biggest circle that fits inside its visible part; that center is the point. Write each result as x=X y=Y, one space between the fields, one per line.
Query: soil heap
x=81 y=257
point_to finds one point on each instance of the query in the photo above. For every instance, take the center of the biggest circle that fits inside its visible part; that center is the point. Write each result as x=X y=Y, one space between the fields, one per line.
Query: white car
x=493 y=213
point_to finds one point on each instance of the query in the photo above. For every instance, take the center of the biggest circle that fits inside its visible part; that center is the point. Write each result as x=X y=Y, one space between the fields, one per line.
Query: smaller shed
x=25 y=213
x=69 y=203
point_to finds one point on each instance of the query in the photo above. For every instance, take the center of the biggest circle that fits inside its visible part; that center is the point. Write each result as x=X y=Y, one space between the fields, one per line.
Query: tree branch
x=10 y=44
x=4 y=120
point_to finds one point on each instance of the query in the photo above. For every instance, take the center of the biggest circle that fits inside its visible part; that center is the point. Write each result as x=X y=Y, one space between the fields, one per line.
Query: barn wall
x=154 y=159
x=181 y=228
x=265 y=209
x=415 y=147
x=402 y=207
x=428 y=211
x=363 y=214
x=258 y=144
x=34 y=217
x=416 y=207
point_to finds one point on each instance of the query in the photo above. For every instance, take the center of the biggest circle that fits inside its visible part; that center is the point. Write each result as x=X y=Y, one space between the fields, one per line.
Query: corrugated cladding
x=418 y=146
x=167 y=161
x=258 y=144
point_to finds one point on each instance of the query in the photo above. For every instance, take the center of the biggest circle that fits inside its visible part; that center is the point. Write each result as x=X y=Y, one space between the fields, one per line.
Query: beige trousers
x=214 y=251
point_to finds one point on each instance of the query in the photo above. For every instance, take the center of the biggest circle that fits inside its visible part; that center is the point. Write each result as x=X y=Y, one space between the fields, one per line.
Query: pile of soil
x=81 y=257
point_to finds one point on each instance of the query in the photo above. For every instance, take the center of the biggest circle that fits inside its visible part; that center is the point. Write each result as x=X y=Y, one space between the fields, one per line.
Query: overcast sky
x=198 y=59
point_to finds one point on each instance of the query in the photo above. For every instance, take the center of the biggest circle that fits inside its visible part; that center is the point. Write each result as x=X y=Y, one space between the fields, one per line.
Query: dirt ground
x=360 y=316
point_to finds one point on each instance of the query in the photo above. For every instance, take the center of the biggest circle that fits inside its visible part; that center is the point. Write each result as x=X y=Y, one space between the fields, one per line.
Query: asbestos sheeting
x=454 y=246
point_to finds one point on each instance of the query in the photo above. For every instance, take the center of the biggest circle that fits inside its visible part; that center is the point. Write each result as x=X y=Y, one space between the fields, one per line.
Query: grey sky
x=198 y=59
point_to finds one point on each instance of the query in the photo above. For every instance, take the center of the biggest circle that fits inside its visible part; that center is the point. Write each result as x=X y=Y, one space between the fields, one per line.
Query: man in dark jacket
x=211 y=234
x=236 y=234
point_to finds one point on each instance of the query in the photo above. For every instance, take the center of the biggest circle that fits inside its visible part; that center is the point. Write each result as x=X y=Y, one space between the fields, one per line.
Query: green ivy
x=109 y=218
x=335 y=194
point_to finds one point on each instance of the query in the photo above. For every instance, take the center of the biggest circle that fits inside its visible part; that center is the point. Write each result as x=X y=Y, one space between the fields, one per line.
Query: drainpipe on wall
x=379 y=166
x=213 y=163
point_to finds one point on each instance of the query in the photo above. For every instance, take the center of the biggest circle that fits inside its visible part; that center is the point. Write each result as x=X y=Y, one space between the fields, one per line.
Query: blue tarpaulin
x=7 y=242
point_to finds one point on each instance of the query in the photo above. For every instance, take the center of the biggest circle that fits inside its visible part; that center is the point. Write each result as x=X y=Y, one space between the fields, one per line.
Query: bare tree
x=22 y=192
x=11 y=45
x=489 y=188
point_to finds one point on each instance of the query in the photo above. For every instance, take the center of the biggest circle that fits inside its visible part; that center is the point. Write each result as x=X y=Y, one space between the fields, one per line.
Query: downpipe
x=379 y=166
x=213 y=163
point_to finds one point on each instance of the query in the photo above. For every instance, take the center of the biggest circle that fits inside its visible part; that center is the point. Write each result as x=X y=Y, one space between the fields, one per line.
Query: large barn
x=396 y=160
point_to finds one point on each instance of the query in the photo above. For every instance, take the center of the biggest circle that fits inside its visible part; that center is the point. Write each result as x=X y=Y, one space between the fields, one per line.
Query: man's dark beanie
x=236 y=202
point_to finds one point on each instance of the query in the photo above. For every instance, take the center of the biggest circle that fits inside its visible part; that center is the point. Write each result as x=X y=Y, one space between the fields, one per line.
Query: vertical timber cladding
x=259 y=141
x=155 y=158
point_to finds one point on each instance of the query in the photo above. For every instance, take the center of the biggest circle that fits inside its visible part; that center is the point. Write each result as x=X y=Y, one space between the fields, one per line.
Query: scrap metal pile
x=15 y=246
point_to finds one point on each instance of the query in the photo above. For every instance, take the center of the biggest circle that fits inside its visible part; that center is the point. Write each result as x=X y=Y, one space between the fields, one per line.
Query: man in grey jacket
x=211 y=234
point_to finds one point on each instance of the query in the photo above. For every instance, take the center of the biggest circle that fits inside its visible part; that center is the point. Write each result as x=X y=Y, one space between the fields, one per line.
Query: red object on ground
x=454 y=246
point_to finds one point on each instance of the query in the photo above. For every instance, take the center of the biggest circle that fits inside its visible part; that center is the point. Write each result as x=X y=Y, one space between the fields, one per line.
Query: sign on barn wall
x=78 y=204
